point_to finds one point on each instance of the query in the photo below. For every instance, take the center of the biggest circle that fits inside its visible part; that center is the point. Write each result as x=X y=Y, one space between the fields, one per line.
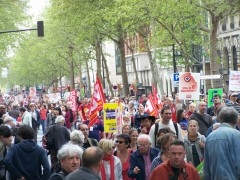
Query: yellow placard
x=109 y=115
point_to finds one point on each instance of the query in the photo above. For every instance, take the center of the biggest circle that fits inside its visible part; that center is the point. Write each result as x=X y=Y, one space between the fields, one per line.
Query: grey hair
x=77 y=137
x=228 y=115
x=144 y=136
x=68 y=150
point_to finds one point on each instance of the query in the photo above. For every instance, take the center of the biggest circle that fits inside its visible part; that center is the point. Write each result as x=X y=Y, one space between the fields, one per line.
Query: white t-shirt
x=161 y=126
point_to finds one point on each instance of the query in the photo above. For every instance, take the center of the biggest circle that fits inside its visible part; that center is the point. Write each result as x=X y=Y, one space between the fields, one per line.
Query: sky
x=37 y=7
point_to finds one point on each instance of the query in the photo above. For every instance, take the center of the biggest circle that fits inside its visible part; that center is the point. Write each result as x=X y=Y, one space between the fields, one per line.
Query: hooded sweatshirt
x=27 y=159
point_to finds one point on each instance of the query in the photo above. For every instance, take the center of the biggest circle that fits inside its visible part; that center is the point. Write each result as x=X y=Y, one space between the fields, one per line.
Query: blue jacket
x=136 y=159
x=222 y=154
x=27 y=159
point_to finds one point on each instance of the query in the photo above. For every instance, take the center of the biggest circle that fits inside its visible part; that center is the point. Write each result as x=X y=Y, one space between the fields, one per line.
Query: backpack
x=34 y=123
x=58 y=174
x=71 y=116
x=157 y=127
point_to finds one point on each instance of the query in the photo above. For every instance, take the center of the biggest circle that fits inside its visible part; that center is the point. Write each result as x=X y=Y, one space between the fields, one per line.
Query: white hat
x=59 y=119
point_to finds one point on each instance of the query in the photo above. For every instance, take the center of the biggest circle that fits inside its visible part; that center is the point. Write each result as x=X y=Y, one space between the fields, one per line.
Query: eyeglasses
x=119 y=142
x=113 y=147
x=142 y=145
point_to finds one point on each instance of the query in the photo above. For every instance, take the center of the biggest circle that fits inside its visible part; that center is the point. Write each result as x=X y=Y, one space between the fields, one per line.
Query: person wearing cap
x=60 y=135
x=146 y=122
x=233 y=99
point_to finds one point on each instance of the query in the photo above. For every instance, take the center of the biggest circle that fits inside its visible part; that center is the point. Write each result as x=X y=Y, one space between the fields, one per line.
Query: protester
x=35 y=115
x=111 y=167
x=204 y=120
x=163 y=144
x=175 y=167
x=146 y=122
x=27 y=160
x=166 y=122
x=43 y=118
x=194 y=144
x=221 y=155
x=133 y=139
x=217 y=102
x=87 y=141
x=26 y=117
x=91 y=163
x=181 y=119
x=57 y=135
x=123 y=152
x=126 y=129
x=70 y=156
x=141 y=159
x=77 y=137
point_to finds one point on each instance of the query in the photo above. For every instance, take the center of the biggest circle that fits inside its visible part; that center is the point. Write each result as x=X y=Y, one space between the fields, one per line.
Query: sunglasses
x=119 y=142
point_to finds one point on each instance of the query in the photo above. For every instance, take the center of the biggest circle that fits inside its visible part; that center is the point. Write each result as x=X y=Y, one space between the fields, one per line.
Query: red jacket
x=165 y=172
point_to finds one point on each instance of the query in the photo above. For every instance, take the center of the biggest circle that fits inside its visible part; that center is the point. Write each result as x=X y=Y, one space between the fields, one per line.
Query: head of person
x=22 y=110
x=133 y=135
x=126 y=129
x=25 y=132
x=9 y=121
x=85 y=130
x=6 y=135
x=141 y=108
x=126 y=119
x=122 y=141
x=233 y=97
x=164 y=131
x=193 y=127
x=181 y=114
x=144 y=143
x=92 y=158
x=107 y=146
x=228 y=115
x=166 y=114
x=69 y=104
x=57 y=111
x=217 y=99
x=192 y=107
x=146 y=120
x=70 y=156
x=202 y=107
x=60 y=120
x=64 y=108
x=32 y=106
x=218 y=109
x=2 y=109
x=163 y=142
x=177 y=153
x=169 y=101
x=77 y=137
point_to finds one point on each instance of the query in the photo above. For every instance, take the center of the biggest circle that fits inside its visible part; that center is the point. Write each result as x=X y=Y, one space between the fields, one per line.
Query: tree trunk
x=214 y=63
x=98 y=60
x=88 y=89
x=153 y=67
x=107 y=74
x=120 y=44
x=134 y=66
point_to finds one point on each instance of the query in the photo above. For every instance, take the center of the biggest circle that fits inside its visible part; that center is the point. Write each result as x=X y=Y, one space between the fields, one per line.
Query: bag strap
x=156 y=132
x=176 y=128
x=199 y=116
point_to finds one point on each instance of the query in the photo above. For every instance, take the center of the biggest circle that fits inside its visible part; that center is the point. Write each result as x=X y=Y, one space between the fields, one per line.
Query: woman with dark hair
x=133 y=139
x=123 y=152
x=163 y=143
x=181 y=119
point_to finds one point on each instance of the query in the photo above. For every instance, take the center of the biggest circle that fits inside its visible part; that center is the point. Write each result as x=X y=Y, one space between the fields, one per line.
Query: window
x=232 y=22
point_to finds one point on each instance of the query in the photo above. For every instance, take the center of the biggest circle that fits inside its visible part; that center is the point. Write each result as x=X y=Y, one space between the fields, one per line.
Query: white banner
x=234 y=81
x=189 y=86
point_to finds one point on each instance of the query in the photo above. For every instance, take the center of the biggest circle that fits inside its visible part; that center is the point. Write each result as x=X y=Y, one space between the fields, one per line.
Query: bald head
x=92 y=157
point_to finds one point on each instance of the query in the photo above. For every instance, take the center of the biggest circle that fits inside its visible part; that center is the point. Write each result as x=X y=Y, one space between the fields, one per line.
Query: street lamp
x=72 y=84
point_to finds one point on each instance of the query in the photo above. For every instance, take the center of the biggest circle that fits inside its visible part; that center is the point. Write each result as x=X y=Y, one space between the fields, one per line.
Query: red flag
x=156 y=97
x=150 y=107
x=96 y=103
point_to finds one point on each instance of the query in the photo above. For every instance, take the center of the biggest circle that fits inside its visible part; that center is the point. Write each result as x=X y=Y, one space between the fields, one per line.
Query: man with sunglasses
x=141 y=159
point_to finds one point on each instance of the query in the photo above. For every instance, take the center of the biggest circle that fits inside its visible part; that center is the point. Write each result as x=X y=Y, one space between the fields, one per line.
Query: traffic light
x=40 y=29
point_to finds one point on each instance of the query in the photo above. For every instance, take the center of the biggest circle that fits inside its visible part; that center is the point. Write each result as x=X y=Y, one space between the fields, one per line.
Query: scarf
x=103 y=172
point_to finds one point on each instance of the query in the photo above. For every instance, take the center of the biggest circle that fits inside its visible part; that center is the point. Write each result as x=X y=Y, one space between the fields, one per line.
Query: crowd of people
x=169 y=146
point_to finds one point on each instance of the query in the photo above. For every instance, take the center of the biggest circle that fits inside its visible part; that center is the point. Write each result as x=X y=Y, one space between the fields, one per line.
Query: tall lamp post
x=72 y=84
